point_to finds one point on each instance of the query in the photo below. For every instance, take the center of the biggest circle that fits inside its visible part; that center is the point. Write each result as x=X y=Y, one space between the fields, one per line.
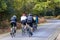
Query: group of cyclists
x=25 y=20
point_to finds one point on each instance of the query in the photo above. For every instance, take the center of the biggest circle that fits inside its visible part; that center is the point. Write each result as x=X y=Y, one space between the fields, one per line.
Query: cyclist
x=30 y=22
x=34 y=24
x=13 y=21
x=23 y=21
x=36 y=19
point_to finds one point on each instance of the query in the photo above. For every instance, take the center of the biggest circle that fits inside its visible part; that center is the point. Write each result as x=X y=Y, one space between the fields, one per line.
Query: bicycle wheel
x=23 y=30
x=34 y=27
x=29 y=31
x=12 y=32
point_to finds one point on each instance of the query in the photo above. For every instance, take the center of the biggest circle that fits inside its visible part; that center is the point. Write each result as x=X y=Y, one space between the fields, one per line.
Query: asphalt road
x=46 y=31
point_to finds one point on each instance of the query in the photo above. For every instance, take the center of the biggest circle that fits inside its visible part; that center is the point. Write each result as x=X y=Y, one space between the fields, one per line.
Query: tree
x=41 y=7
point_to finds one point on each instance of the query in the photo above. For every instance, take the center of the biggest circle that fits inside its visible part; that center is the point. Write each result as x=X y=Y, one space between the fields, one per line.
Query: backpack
x=29 y=19
x=13 y=19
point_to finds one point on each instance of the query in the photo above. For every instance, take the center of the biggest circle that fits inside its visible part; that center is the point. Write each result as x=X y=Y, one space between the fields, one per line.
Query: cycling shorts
x=23 y=22
x=30 y=23
x=13 y=24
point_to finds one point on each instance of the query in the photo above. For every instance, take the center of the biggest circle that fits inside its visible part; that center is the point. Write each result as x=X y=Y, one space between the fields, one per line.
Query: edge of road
x=6 y=34
x=3 y=35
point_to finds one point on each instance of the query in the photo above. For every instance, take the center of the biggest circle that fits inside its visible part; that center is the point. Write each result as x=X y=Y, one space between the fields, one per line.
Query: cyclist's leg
x=23 y=27
x=27 y=25
x=11 y=27
x=35 y=26
x=23 y=30
x=15 y=27
x=30 y=29
x=31 y=26
x=11 y=32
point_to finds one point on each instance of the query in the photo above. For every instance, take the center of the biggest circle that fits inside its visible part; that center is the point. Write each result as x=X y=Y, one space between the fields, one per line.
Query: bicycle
x=23 y=29
x=13 y=31
x=34 y=27
x=29 y=30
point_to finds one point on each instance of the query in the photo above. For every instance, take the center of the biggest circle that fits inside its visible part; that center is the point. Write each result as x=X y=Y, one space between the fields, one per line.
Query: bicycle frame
x=29 y=31
x=13 y=32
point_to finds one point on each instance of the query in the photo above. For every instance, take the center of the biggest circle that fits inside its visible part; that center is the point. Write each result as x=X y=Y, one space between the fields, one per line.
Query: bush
x=42 y=20
x=49 y=17
x=4 y=24
x=58 y=17
x=18 y=25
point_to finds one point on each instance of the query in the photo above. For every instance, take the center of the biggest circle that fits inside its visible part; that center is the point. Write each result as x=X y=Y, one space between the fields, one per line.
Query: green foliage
x=40 y=7
x=3 y=5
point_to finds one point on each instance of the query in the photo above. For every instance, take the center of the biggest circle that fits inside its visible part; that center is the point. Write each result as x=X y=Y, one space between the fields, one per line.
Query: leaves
x=34 y=6
x=3 y=5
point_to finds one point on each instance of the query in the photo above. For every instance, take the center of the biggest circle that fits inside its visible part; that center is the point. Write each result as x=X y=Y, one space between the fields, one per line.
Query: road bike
x=13 y=31
x=23 y=29
x=29 y=30
x=34 y=27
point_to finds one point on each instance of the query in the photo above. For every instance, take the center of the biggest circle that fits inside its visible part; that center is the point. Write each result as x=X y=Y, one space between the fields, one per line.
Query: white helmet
x=30 y=14
x=14 y=16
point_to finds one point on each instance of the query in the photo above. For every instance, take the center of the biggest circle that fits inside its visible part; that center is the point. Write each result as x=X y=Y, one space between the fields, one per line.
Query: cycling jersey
x=23 y=18
x=13 y=21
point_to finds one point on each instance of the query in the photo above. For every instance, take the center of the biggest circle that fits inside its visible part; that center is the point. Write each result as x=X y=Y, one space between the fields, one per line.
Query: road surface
x=46 y=31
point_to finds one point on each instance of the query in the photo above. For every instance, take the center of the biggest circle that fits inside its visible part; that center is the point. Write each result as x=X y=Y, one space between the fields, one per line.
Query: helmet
x=30 y=14
x=14 y=16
